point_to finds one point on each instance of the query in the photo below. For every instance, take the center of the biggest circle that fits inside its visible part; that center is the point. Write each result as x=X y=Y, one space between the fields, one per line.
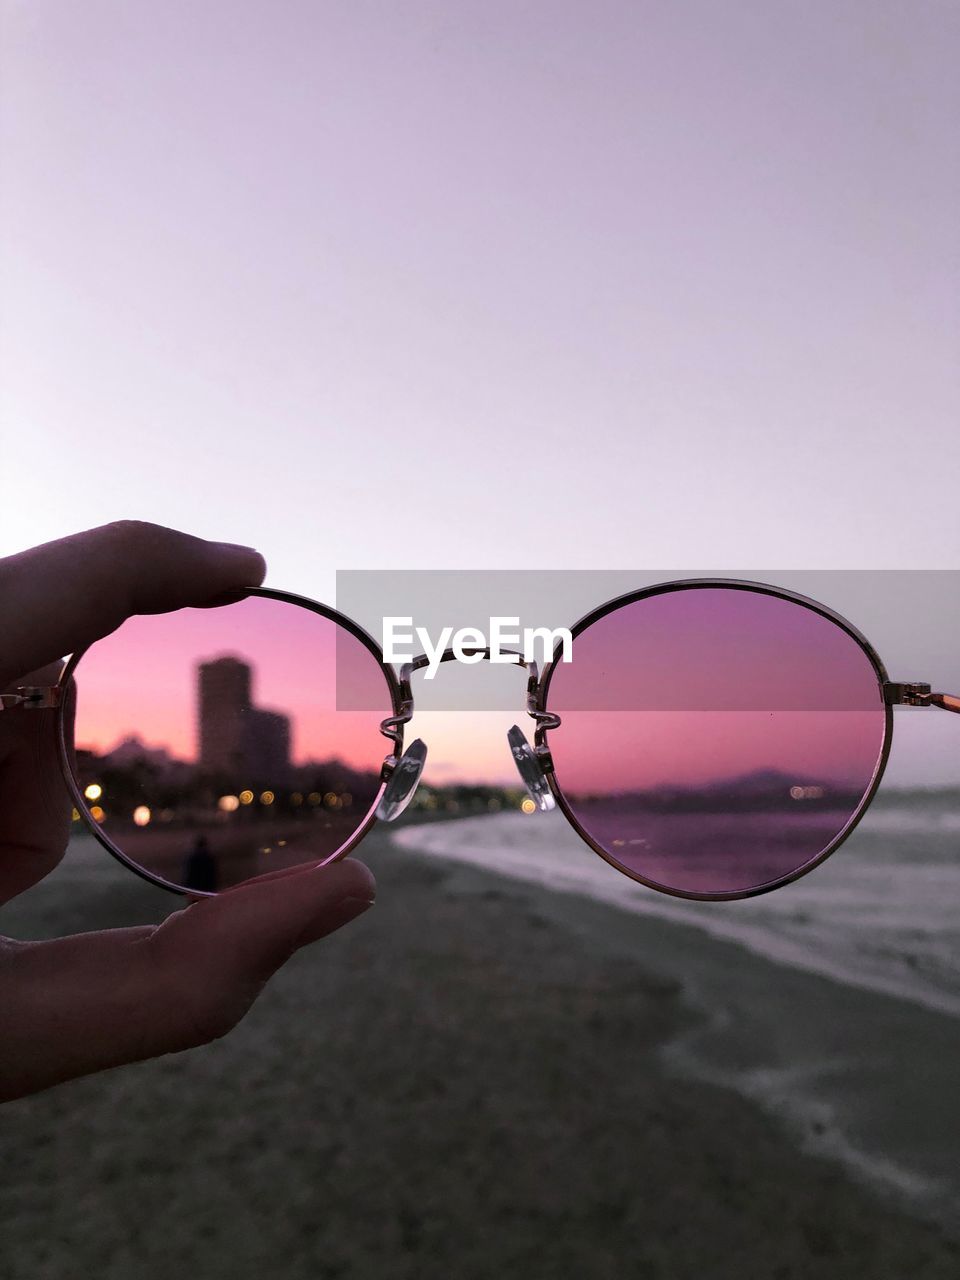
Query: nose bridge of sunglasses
x=403 y=776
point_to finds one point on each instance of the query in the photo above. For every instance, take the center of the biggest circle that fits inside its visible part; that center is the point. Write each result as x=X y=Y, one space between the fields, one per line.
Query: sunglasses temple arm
x=948 y=701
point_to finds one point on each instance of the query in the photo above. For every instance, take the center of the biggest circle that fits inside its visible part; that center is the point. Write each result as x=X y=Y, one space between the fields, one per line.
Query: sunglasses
x=709 y=738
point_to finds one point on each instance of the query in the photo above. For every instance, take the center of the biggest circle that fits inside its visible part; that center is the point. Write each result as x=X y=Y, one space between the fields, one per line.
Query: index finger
x=58 y=598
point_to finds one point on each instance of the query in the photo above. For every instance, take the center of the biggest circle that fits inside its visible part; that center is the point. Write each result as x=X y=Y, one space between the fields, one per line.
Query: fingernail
x=236 y=546
x=242 y=557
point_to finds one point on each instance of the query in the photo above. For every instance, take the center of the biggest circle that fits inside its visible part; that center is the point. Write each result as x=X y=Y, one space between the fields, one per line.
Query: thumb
x=246 y=933
x=96 y=1000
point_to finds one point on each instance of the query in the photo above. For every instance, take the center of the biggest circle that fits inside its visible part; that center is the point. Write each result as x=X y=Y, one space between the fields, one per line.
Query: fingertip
x=244 y=565
x=353 y=879
x=343 y=891
x=274 y=916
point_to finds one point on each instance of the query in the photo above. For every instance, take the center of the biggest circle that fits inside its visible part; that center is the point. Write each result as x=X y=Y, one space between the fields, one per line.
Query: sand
x=480 y=1079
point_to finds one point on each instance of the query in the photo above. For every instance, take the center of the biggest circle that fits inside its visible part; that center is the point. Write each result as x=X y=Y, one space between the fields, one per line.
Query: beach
x=500 y=1073
x=834 y=1003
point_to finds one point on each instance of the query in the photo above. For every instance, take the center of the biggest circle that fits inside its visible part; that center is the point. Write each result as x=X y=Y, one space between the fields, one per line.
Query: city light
x=314 y=797
x=806 y=793
x=228 y=804
x=94 y=791
x=331 y=800
x=97 y=814
x=246 y=797
x=267 y=797
x=296 y=798
x=527 y=805
x=75 y=815
x=142 y=815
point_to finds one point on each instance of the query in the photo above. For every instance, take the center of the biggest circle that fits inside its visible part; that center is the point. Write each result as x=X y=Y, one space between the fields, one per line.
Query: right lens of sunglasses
x=211 y=745
x=716 y=741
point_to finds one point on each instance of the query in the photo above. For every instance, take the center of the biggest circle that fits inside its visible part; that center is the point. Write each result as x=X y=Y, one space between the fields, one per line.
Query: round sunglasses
x=709 y=738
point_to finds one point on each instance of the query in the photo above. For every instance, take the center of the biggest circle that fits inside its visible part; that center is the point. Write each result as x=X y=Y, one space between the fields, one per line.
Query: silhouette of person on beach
x=200 y=868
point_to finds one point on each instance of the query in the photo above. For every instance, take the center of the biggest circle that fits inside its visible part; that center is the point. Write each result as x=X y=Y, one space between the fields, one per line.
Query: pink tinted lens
x=209 y=746
x=715 y=740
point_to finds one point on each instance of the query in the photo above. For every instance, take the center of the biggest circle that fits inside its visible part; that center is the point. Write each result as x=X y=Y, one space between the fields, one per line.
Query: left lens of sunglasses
x=209 y=747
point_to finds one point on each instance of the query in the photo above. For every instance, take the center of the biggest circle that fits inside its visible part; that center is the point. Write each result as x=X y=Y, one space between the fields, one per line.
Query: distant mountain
x=759 y=782
x=133 y=751
x=756 y=789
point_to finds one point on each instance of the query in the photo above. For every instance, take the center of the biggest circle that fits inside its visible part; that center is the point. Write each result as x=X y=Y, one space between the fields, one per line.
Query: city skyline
x=144 y=680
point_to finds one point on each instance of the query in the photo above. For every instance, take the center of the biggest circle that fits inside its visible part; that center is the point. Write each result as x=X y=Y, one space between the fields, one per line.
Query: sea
x=882 y=912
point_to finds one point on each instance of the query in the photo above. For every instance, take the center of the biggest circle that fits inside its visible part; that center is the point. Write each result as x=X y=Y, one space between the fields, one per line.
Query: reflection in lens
x=212 y=742
x=715 y=740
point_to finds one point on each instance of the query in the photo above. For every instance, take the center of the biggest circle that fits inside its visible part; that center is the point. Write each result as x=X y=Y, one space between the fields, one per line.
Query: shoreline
x=854 y=1073
x=768 y=925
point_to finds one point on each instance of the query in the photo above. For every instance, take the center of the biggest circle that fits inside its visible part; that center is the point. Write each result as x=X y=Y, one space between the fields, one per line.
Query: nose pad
x=402 y=784
x=528 y=766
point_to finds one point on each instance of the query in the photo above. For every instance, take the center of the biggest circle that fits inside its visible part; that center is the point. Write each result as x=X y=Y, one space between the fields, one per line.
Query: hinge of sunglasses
x=31 y=696
x=918 y=694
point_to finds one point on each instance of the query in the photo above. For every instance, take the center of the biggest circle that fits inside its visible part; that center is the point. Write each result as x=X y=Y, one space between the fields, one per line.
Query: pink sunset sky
x=487 y=285
x=142 y=680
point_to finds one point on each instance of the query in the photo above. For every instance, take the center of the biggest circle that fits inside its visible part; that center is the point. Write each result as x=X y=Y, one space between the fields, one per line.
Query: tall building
x=238 y=741
x=223 y=698
x=267 y=747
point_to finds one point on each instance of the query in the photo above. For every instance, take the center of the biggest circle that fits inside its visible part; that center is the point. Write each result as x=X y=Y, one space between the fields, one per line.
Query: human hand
x=79 y=1004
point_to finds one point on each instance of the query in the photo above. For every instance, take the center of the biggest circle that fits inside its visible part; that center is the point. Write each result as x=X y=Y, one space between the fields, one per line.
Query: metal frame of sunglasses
x=401 y=769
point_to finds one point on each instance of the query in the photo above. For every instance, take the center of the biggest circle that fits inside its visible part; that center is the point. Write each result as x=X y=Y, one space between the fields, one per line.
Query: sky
x=485 y=285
